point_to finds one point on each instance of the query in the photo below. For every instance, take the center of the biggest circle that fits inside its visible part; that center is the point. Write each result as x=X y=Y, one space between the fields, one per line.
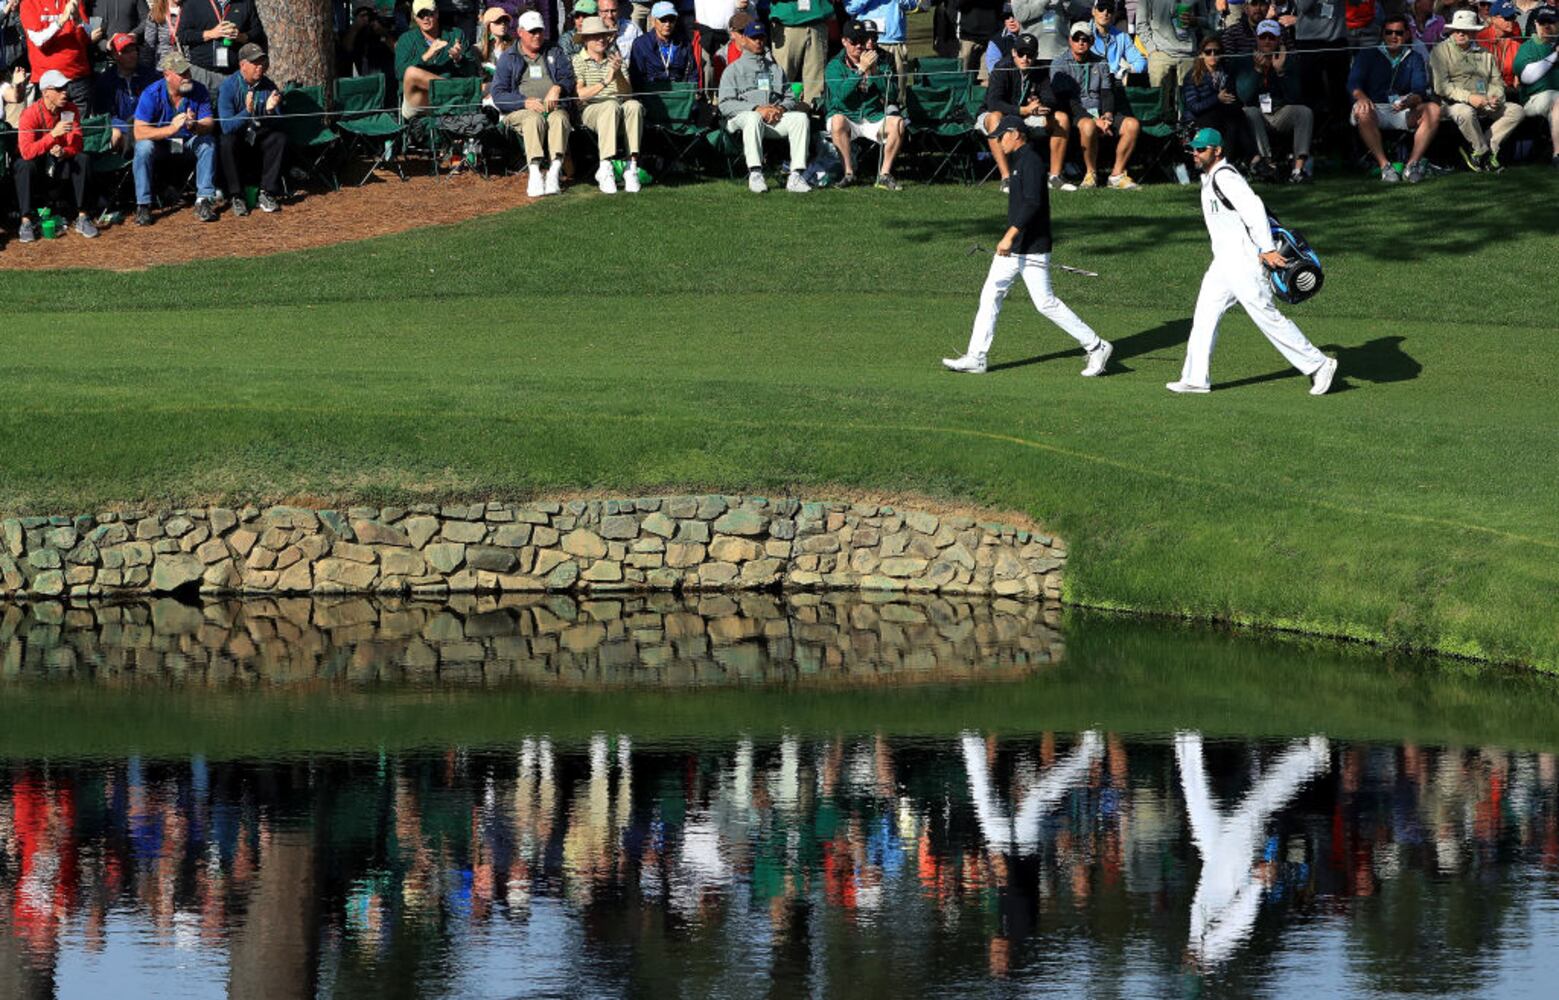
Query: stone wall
x=552 y=639
x=687 y=543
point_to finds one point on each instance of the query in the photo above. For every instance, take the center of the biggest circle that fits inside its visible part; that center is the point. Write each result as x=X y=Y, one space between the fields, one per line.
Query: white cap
x=663 y=9
x=531 y=21
x=1081 y=28
x=52 y=80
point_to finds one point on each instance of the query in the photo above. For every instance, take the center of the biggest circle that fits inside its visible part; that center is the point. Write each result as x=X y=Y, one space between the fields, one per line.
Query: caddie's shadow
x=1162 y=337
x=1380 y=360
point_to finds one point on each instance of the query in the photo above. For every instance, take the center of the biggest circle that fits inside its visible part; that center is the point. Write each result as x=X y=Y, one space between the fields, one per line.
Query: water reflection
x=657 y=639
x=872 y=865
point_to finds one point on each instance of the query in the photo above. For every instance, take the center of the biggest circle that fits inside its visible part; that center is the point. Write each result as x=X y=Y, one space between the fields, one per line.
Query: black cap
x=1108 y=5
x=1006 y=10
x=1547 y=15
x=859 y=31
x=1027 y=44
x=1009 y=123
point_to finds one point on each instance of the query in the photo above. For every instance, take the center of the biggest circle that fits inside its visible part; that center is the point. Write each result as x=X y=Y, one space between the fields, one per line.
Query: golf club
x=976 y=248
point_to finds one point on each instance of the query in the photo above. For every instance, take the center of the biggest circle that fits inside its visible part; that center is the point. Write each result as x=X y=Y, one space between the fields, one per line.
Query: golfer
x=1243 y=248
x=1025 y=250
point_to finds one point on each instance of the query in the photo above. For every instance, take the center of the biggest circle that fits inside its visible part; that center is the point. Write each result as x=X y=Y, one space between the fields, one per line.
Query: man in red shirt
x=1502 y=36
x=57 y=40
x=49 y=139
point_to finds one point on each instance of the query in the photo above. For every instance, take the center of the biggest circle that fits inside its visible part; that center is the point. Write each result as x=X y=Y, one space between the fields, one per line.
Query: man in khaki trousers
x=602 y=85
x=800 y=42
x=527 y=85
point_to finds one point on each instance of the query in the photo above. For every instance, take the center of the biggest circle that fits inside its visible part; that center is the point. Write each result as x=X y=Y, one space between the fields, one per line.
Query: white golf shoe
x=553 y=183
x=535 y=186
x=1187 y=387
x=1098 y=358
x=1321 y=381
x=631 y=177
x=605 y=178
x=755 y=182
x=796 y=184
x=974 y=364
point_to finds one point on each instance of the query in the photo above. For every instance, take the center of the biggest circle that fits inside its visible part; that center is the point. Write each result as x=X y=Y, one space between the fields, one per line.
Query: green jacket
x=411 y=45
x=846 y=92
x=1533 y=50
x=790 y=12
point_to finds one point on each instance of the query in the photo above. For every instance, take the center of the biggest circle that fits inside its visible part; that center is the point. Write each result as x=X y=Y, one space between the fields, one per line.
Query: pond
x=757 y=796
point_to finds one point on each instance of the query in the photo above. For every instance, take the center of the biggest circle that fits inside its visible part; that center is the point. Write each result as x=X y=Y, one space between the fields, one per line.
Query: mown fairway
x=702 y=337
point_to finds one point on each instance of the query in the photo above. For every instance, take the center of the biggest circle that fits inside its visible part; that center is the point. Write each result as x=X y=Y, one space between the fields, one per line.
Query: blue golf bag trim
x=1301 y=276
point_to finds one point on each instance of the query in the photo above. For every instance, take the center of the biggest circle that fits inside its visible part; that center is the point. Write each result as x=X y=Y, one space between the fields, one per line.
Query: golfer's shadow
x=1163 y=336
x=1380 y=360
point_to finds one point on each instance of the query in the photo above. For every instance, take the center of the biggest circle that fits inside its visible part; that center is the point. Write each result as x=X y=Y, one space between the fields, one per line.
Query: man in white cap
x=756 y=102
x=1025 y=250
x=1242 y=248
x=529 y=84
x=49 y=138
x=1473 y=93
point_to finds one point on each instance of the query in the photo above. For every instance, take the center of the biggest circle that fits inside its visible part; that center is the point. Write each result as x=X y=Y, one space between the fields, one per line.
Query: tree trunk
x=301 y=41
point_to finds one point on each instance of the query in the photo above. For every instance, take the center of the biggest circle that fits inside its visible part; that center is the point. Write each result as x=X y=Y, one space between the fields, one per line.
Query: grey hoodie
x=1159 y=32
x=739 y=90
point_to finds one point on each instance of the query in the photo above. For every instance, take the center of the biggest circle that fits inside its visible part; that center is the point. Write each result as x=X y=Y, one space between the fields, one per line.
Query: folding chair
x=939 y=71
x=97 y=133
x=668 y=112
x=360 y=105
x=1146 y=104
x=940 y=124
x=448 y=97
x=728 y=148
x=309 y=136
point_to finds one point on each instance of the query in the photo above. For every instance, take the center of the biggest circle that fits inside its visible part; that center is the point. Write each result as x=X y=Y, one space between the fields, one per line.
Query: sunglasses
x=1079 y=38
x=427 y=14
x=533 y=31
x=1393 y=33
x=1212 y=52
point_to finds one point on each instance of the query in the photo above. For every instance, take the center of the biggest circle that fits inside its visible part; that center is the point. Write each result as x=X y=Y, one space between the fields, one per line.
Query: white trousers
x=1223 y=286
x=1036 y=274
x=793 y=126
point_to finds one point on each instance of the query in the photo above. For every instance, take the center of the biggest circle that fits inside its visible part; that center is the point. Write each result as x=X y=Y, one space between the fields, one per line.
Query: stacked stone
x=713 y=638
x=689 y=543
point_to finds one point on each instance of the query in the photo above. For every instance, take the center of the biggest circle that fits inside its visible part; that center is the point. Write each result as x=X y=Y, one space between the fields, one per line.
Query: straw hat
x=1464 y=20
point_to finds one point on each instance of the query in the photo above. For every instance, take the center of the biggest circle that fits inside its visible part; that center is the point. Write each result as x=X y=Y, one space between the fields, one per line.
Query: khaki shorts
x=870 y=131
x=1387 y=116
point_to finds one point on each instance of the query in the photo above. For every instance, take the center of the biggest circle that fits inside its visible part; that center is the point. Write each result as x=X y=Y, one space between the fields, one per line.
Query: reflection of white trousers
x=1223 y=286
x=1036 y=274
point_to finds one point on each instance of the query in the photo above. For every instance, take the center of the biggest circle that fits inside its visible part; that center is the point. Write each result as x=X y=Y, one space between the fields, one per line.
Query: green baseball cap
x=1207 y=138
x=585 y=7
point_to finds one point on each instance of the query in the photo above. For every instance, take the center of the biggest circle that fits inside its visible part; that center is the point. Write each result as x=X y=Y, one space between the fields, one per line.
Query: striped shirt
x=589 y=73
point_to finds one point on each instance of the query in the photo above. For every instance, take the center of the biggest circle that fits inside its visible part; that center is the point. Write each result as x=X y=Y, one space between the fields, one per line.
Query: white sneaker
x=1098 y=358
x=796 y=184
x=1389 y=175
x=1187 y=387
x=755 y=182
x=605 y=178
x=974 y=364
x=1322 y=379
x=631 y=177
x=553 y=183
x=535 y=187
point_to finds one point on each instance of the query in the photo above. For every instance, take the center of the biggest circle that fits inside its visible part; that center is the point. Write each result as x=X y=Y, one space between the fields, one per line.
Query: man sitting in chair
x=1020 y=88
x=857 y=103
x=1080 y=75
x=659 y=57
x=756 y=103
x=1390 y=88
x=423 y=54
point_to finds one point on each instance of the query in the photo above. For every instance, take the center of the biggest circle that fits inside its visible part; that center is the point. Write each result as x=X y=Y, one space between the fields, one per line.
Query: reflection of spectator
x=50 y=143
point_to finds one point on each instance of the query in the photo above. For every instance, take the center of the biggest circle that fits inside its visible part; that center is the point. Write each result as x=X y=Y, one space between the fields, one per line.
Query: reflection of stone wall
x=676 y=543
x=627 y=639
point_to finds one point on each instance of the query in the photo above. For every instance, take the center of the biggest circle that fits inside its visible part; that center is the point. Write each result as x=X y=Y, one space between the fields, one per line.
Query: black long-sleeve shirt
x=1028 y=202
x=196 y=17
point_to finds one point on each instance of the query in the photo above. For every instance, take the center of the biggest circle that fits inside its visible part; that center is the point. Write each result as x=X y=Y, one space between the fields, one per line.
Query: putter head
x=974 y=249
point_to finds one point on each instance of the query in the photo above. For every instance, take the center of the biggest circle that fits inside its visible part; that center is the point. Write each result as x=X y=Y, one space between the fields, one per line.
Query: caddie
x=1025 y=250
x=1243 y=247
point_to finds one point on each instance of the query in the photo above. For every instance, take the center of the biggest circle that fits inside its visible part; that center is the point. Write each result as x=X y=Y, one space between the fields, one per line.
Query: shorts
x=1035 y=123
x=1541 y=105
x=870 y=131
x=1387 y=116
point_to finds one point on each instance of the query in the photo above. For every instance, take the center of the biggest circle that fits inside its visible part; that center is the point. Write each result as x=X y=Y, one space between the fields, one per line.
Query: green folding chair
x=939 y=71
x=1146 y=104
x=668 y=113
x=941 y=125
x=309 y=136
x=361 y=117
x=97 y=133
x=448 y=97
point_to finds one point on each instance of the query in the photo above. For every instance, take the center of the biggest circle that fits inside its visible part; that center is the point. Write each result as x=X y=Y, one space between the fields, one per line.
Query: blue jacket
x=505 y=89
x=889 y=15
x=116 y=97
x=1374 y=74
x=1118 y=47
x=1200 y=98
x=647 y=65
x=231 y=116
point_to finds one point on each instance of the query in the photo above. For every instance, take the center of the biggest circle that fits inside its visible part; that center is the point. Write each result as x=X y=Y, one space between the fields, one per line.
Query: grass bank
x=702 y=337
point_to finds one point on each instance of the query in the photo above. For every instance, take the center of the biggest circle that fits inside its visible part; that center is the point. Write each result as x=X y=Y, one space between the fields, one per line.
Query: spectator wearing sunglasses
x=1390 y=88
x=531 y=87
x=1079 y=77
x=425 y=53
x=660 y=57
x=1268 y=87
x=1469 y=84
x=1211 y=101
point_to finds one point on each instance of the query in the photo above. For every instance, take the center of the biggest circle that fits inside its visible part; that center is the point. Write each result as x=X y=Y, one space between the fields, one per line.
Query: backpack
x=1301 y=276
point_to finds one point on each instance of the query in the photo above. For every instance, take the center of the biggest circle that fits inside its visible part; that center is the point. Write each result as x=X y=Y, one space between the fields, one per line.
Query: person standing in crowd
x=1000 y=45
x=1321 y=36
x=603 y=88
x=892 y=39
x=978 y=21
x=1537 y=69
x=210 y=34
x=858 y=104
x=174 y=120
x=1268 y=87
x=1243 y=248
x=117 y=91
x=1239 y=36
x=756 y=104
x=120 y=17
x=160 y=32
x=247 y=106
x=57 y=39
x=369 y=46
x=426 y=52
x=800 y=42
x=1118 y=50
x=50 y=144
x=662 y=56
x=529 y=89
x=1469 y=85
x=1171 y=30
x=1390 y=88
x=1024 y=251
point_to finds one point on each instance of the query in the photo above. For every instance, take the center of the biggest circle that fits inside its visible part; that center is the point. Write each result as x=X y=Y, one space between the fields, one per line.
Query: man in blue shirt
x=116 y=92
x=173 y=118
x=658 y=57
x=247 y=106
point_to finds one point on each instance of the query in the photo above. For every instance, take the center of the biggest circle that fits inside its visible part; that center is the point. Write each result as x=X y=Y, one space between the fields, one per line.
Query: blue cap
x=1505 y=9
x=757 y=29
x=663 y=9
x=1269 y=27
x=1207 y=138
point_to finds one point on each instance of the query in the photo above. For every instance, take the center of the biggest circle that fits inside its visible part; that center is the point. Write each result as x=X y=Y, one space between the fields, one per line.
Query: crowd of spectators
x=1367 y=79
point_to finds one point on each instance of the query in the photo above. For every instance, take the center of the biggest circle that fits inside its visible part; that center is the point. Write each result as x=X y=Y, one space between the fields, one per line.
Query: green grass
x=701 y=337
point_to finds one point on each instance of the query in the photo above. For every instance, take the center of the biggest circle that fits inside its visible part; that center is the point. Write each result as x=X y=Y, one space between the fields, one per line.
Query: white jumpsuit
x=1237 y=275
